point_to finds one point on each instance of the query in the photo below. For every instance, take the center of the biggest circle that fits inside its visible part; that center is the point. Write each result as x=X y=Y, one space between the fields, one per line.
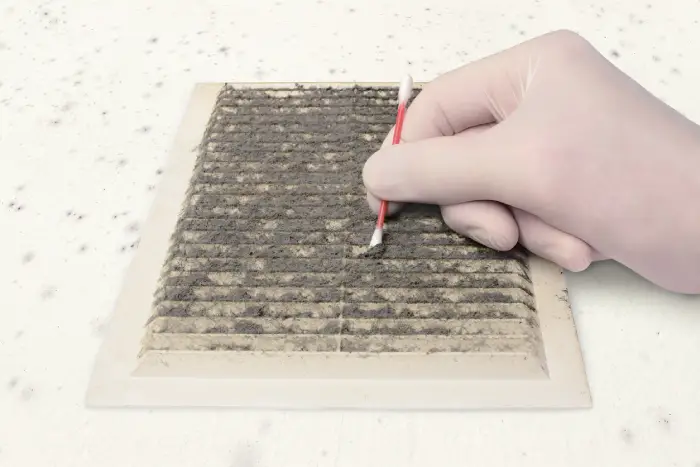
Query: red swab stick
x=404 y=94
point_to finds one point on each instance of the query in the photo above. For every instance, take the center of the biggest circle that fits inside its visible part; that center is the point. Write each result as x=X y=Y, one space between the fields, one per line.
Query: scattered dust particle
x=121 y=162
x=675 y=71
x=159 y=84
x=224 y=50
x=264 y=427
x=615 y=53
x=27 y=393
x=656 y=58
x=144 y=129
x=331 y=71
x=48 y=293
x=159 y=171
x=67 y=106
x=324 y=453
x=644 y=357
x=19 y=334
x=153 y=40
x=83 y=248
x=55 y=122
x=27 y=257
x=665 y=423
x=133 y=227
x=12 y=383
x=627 y=436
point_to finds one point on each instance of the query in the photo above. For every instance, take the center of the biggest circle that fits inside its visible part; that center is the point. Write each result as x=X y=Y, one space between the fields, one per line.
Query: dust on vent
x=249 y=287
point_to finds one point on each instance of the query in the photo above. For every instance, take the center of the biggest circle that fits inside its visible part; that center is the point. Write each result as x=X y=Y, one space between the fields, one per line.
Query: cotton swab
x=404 y=94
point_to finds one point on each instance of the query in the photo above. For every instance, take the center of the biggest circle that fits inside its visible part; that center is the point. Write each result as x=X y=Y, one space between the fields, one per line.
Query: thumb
x=455 y=169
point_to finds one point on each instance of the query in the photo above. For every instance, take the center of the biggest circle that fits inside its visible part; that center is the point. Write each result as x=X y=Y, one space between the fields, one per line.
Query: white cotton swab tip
x=405 y=89
x=376 y=237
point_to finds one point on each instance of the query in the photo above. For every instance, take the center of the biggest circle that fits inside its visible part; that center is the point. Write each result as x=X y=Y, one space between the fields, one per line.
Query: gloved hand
x=550 y=145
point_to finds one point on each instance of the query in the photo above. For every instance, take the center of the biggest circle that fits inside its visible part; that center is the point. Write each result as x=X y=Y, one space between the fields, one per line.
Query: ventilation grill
x=267 y=253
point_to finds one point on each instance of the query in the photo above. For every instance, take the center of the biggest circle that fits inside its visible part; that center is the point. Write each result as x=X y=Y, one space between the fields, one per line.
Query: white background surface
x=91 y=93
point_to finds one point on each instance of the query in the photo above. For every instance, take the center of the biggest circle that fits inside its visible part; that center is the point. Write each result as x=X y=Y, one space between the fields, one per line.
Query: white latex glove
x=550 y=145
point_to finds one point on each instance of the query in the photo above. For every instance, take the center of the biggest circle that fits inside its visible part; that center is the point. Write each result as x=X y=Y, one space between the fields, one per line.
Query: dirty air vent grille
x=249 y=289
x=266 y=255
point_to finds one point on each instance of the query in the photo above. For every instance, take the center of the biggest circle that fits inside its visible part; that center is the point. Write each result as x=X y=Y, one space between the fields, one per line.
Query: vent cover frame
x=124 y=376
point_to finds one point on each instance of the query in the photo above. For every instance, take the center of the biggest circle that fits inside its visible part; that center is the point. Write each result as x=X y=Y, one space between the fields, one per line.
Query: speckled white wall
x=91 y=93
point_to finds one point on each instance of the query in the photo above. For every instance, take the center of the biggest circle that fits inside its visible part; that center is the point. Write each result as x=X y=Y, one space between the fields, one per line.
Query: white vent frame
x=123 y=378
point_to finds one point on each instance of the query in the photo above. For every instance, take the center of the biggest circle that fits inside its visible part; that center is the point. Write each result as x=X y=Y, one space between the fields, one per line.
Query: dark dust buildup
x=270 y=250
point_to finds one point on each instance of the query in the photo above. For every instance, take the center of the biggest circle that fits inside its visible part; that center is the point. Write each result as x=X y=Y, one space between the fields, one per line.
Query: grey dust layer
x=267 y=252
